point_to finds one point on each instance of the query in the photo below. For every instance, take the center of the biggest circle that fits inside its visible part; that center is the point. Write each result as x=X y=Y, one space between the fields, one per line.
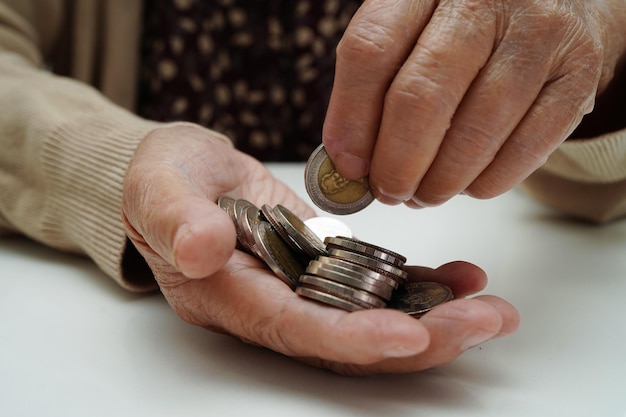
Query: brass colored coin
x=350 y=278
x=356 y=296
x=359 y=246
x=278 y=256
x=418 y=298
x=327 y=299
x=330 y=191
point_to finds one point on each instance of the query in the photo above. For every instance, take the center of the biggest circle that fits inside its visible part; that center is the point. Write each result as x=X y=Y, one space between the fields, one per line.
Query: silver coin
x=330 y=191
x=226 y=203
x=356 y=296
x=350 y=278
x=268 y=213
x=325 y=227
x=299 y=232
x=278 y=256
x=248 y=223
x=359 y=246
x=239 y=209
x=385 y=279
x=418 y=298
x=327 y=299
x=369 y=262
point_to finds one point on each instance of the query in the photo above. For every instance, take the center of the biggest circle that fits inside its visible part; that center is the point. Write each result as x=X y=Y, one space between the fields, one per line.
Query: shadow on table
x=200 y=358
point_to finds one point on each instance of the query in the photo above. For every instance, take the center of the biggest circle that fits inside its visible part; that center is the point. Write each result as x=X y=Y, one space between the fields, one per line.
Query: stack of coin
x=342 y=272
x=275 y=235
x=354 y=275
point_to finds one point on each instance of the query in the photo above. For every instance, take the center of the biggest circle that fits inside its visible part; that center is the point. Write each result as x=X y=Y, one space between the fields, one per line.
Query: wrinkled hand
x=171 y=215
x=436 y=98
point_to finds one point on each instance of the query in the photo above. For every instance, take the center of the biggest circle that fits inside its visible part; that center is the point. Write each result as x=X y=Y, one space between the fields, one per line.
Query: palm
x=189 y=242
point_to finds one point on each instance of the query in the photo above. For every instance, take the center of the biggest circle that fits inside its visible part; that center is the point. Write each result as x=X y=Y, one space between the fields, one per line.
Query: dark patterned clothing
x=258 y=71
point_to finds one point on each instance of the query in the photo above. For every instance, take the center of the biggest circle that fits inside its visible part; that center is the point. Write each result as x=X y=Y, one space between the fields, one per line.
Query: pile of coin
x=342 y=272
x=354 y=275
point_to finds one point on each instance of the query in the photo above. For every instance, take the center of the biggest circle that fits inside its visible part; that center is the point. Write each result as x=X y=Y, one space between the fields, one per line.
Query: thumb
x=204 y=237
x=167 y=218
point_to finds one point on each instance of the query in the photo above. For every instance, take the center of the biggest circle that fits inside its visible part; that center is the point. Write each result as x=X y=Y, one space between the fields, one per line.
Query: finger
x=190 y=232
x=497 y=101
x=501 y=96
x=299 y=327
x=462 y=324
x=555 y=114
x=375 y=44
x=425 y=94
x=462 y=277
x=510 y=315
x=170 y=218
x=453 y=328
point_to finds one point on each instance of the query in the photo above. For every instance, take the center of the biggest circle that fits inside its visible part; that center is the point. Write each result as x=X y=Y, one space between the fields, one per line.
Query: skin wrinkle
x=564 y=87
x=519 y=52
x=365 y=42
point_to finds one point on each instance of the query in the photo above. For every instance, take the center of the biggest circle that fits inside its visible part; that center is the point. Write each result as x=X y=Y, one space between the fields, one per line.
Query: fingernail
x=178 y=237
x=389 y=198
x=476 y=338
x=352 y=166
x=421 y=203
x=413 y=205
x=390 y=201
x=401 y=352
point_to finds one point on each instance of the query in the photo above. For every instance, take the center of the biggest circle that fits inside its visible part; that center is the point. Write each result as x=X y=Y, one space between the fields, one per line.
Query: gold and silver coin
x=332 y=192
x=339 y=271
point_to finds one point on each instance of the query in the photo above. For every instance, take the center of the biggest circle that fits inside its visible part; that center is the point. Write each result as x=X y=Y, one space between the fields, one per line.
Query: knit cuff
x=601 y=160
x=85 y=162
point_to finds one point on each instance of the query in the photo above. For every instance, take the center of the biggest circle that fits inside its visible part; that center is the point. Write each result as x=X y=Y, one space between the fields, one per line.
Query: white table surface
x=73 y=344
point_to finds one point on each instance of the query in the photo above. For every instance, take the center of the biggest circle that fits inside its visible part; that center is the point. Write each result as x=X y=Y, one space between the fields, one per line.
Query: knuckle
x=474 y=144
x=390 y=184
x=364 y=42
x=417 y=93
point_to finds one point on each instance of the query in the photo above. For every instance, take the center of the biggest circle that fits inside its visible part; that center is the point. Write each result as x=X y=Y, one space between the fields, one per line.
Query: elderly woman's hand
x=171 y=215
x=436 y=98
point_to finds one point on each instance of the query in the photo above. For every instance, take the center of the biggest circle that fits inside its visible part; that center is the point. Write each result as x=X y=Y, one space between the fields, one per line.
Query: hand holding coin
x=188 y=241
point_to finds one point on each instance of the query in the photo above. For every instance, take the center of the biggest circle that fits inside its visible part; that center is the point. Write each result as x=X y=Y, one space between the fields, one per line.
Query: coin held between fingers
x=332 y=192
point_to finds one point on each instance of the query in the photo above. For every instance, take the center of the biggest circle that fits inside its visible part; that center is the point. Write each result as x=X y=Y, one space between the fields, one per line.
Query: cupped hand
x=170 y=211
x=436 y=98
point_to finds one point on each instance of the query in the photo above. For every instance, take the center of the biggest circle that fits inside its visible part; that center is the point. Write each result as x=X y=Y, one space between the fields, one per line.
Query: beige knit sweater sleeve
x=64 y=151
x=585 y=178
